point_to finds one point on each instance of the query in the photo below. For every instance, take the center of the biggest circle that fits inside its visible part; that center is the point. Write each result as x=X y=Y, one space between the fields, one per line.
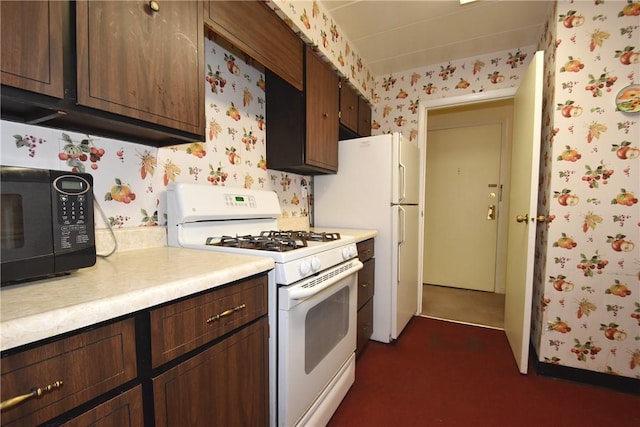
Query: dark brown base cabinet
x=210 y=367
x=366 y=289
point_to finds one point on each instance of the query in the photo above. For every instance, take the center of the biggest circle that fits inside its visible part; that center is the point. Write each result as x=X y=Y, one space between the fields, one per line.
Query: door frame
x=423 y=111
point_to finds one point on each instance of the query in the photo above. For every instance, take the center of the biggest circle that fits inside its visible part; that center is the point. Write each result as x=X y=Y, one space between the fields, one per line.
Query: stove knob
x=315 y=264
x=305 y=267
x=349 y=252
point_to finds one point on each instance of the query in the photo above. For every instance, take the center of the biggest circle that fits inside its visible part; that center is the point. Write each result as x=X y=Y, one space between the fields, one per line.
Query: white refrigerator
x=378 y=187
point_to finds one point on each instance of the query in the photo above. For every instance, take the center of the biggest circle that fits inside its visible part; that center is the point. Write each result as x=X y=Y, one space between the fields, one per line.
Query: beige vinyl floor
x=463 y=306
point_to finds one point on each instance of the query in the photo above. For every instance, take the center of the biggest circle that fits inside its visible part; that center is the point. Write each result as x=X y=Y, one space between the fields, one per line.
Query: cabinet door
x=348 y=106
x=124 y=410
x=322 y=105
x=84 y=366
x=364 y=118
x=143 y=64
x=225 y=385
x=32 y=46
x=255 y=29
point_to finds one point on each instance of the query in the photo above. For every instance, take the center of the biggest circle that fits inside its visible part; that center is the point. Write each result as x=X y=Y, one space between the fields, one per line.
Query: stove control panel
x=240 y=200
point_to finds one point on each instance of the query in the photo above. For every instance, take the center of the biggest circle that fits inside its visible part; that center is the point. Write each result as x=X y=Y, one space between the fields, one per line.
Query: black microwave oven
x=46 y=223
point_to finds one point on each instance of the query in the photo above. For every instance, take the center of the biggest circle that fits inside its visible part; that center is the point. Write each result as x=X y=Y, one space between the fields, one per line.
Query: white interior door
x=525 y=162
x=462 y=199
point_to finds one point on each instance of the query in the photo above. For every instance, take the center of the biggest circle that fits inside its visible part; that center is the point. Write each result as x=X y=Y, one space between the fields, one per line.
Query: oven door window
x=325 y=325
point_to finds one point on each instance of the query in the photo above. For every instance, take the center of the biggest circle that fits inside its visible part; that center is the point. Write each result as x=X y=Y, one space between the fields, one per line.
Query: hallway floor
x=463 y=306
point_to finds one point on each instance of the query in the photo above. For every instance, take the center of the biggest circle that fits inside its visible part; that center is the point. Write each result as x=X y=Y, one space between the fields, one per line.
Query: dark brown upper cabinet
x=256 y=30
x=355 y=113
x=111 y=69
x=32 y=46
x=143 y=63
x=302 y=126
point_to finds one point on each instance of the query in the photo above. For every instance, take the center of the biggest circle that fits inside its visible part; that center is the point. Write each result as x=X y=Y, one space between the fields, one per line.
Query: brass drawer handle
x=364 y=285
x=226 y=313
x=14 y=401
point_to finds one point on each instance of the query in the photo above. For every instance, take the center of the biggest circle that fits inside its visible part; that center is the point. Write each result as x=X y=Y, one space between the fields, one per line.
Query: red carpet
x=445 y=374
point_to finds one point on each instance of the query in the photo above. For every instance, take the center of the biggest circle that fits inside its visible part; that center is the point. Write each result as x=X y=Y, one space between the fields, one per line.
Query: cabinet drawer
x=365 y=326
x=366 y=283
x=88 y=364
x=124 y=410
x=185 y=325
x=366 y=249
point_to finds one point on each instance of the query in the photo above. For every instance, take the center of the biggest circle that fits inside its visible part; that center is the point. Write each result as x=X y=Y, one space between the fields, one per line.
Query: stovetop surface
x=273 y=240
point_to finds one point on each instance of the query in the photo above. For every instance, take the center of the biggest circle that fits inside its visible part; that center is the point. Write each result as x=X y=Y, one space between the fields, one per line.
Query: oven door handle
x=307 y=290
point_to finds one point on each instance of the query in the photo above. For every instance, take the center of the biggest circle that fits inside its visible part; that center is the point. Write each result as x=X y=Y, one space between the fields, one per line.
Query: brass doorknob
x=522 y=218
x=541 y=218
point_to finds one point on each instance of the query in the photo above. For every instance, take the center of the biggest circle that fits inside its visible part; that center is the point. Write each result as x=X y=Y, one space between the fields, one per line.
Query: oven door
x=316 y=338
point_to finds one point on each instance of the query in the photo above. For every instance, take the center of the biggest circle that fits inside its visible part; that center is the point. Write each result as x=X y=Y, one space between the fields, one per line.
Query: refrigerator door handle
x=403 y=183
x=401 y=234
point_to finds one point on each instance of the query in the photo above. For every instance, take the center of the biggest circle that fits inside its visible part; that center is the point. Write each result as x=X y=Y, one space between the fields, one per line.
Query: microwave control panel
x=73 y=205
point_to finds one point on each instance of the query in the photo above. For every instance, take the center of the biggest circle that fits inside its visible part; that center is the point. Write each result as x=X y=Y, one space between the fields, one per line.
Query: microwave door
x=26 y=235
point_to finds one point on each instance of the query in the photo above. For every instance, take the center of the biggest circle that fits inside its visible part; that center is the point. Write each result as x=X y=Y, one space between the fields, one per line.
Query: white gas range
x=312 y=292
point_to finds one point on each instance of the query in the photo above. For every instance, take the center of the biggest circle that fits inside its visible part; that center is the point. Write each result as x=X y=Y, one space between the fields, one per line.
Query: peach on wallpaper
x=570 y=154
x=630 y=9
x=565 y=242
x=196 y=149
x=120 y=193
x=625 y=198
x=572 y=65
x=559 y=325
x=618 y=289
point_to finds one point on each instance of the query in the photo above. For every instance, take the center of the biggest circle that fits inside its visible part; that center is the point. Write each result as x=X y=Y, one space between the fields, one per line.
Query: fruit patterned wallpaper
x=314 y=25
x=587 y=279
x=129 y=178
x=586 y=310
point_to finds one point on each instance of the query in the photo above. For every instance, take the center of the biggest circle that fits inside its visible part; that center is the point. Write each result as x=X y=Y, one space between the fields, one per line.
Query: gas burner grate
x=311 y=236
x=267 y=243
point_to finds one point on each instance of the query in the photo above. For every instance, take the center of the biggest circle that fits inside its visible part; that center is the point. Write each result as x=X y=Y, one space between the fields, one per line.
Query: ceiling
x=394 y=36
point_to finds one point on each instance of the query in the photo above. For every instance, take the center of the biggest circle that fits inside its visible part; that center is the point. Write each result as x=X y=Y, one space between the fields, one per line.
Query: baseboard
x=598 y=379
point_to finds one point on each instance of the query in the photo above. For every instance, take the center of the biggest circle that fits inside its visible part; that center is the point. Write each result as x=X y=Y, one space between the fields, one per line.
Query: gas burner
x=310 y=236
x=281 y=243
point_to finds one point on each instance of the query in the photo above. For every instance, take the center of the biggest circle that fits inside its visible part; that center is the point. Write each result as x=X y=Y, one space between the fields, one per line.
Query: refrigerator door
x=406 y=173
x=406 y=267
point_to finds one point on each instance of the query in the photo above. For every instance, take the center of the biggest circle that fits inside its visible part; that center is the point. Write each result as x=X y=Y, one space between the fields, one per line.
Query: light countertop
x=124 y=283
x=359 y=234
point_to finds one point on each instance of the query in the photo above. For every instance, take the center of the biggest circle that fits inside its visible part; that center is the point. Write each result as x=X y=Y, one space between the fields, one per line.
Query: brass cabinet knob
x=154 y=6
